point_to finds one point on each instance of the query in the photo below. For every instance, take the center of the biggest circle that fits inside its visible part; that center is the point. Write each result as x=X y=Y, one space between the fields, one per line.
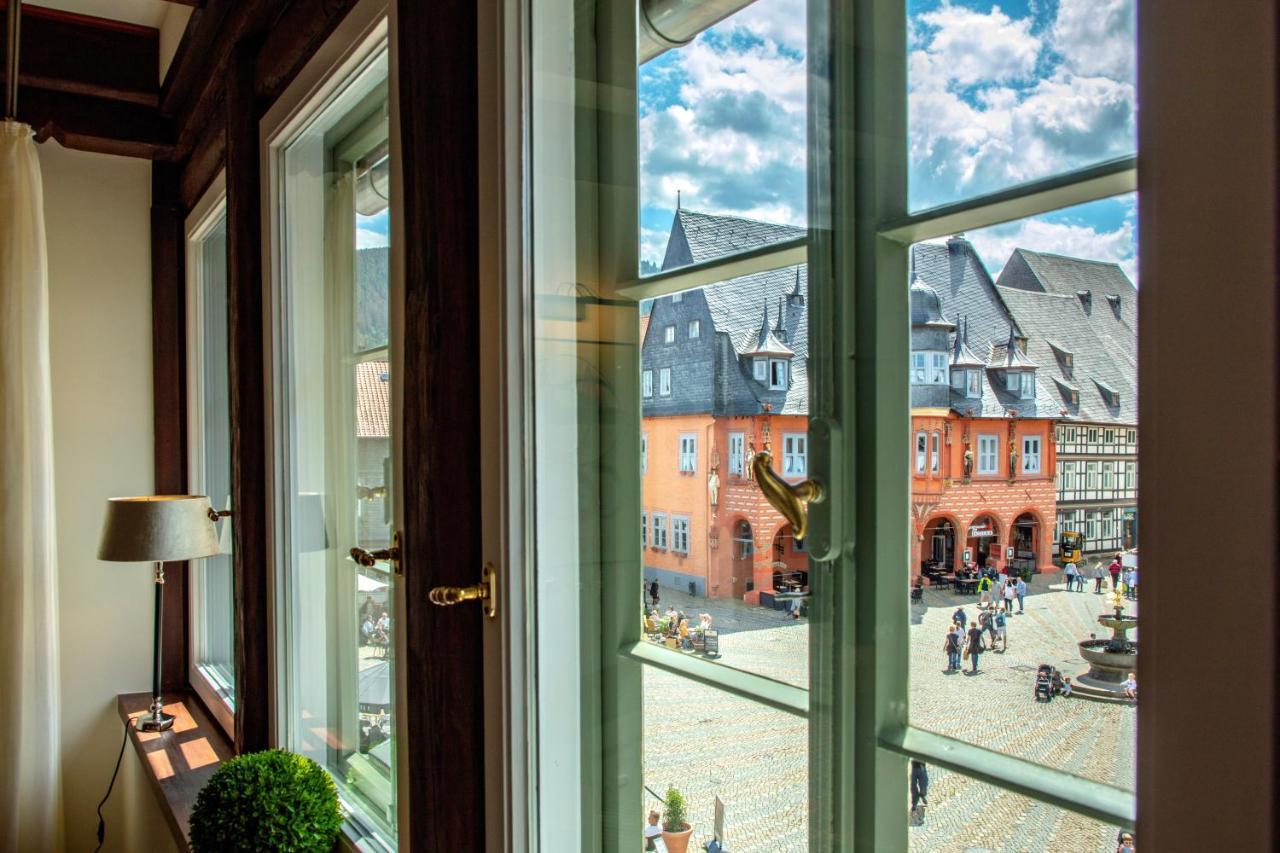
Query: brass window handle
x=370 y=559
x=485 y=592
x=792 y=501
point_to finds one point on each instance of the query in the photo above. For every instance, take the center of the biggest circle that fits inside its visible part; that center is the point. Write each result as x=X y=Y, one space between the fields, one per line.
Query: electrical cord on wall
x=102 y=821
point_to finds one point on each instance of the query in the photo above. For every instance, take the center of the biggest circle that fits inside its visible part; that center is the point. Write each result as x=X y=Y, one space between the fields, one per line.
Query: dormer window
x=938 y=368
x=777 y=374
x=761 y=369
x=1021 y=382
x=1028 y=391
x=928 y=368
x=974 y=390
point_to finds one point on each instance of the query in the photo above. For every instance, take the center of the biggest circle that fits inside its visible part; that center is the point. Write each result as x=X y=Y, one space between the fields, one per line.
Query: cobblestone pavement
x=708 y=743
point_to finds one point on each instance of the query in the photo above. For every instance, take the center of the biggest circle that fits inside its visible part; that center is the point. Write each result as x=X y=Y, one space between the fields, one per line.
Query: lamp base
x=156 y=720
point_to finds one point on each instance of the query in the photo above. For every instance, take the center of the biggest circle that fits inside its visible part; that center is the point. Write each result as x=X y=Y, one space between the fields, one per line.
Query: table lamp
x=158 y=529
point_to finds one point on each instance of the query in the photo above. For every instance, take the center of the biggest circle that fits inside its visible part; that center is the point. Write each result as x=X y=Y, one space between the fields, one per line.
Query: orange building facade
x=737 y=545
x=998 y=507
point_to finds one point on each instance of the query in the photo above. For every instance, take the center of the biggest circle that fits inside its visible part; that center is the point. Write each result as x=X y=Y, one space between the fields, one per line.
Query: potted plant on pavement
x=675 y=825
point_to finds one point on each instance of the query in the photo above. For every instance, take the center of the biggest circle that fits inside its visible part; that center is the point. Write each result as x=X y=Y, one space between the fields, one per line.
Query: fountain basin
x=1105 y=666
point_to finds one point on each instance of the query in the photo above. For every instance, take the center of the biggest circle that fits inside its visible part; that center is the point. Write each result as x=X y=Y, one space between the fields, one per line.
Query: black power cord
x=102 y=821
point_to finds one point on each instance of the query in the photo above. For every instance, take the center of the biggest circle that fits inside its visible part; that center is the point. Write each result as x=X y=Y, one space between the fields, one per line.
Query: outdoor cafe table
x=962 y=585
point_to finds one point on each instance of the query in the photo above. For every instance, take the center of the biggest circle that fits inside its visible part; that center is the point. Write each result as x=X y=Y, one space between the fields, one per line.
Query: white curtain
x=30 y=789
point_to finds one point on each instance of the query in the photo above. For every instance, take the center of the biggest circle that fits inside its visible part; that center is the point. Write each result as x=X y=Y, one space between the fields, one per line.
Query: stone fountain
x=1111 y=660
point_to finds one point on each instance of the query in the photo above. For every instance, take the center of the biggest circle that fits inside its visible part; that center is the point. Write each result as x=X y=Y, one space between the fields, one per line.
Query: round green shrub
x=270 y=800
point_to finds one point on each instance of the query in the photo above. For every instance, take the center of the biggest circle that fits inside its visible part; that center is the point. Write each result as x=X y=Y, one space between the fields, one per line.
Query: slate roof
x=1111 y=291
x=708 y=373
x=965 y=289
x=961 y=354
x=698 y=237
x=373 y=400
x=1102 y=346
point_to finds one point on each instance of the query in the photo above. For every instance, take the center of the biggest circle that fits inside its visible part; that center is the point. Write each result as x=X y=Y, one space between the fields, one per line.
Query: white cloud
x=367 y=239
x=991 y=105
x=970 y=48
x=734 y=142
x=995 y=245
x=1096 y=37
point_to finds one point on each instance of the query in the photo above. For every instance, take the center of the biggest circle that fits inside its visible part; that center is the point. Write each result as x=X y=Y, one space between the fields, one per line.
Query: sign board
x=1008 y=553
x=980 y=532
x=968 y=555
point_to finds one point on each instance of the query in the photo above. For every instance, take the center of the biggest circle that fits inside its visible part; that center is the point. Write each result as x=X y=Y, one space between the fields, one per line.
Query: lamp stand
x=156 y=720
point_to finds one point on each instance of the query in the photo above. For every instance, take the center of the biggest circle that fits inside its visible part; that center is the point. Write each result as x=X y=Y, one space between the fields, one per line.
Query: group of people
x=969 y=643
x=1120 y=574
x=375 y=624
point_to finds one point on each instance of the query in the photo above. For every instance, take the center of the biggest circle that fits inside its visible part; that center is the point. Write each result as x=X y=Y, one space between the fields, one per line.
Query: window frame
x=859 y=414
x=694 y=329
x=669 y=334
x=1026 y=456
x=646 y=384
x=687 y=460
x=658 y=522
x=680 y=527
x=779 y=374
x=664 y=382
x=993 y=439
x=203 y=218
x=791 y=455
x=737 y=440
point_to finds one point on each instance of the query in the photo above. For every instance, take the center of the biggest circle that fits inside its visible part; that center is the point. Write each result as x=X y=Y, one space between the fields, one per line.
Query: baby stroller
x=1044 y=683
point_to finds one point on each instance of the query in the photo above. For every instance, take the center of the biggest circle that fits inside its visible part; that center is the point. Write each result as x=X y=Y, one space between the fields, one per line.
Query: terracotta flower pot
x=677 y=842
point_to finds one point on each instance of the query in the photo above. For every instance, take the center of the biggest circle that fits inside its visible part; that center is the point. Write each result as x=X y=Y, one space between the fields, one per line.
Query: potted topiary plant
x=675 y=825
x=270 y=800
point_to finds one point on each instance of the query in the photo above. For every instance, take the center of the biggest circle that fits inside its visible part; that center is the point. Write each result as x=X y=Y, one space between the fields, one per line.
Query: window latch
x=792 y=501
x=485 y=592
x=370 y=559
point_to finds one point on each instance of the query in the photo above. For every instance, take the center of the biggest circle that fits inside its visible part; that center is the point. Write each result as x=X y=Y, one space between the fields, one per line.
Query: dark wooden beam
x=169 y=379
x=204 y=161
x=246 y=333
x=441 y=430
x=99 y=125
x=64 y=52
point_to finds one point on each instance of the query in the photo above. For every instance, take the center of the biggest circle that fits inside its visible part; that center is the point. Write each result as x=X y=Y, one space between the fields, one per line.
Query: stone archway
x=742 y=553
x=1024 y=537
x=940 y=542
x=982 y=539
x=790 y=562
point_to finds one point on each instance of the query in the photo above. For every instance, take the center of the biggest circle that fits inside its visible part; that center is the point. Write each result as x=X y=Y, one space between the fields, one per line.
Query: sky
x=998 y=94
x=373 y=231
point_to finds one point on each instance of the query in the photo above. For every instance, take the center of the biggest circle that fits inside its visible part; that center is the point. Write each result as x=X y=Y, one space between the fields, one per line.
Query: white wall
x=97 y=215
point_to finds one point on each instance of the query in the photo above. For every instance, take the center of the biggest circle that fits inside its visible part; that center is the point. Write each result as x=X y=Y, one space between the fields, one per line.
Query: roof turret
x=926 y=307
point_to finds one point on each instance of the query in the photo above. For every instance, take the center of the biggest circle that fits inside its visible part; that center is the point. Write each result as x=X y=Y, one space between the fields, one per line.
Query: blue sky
x=373 y=230
x=999 y=94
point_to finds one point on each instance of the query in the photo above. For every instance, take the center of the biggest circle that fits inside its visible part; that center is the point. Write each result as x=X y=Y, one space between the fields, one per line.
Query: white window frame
x=918 y=368
x=215 y=691
x=644 y=528
x=680 y=534
x=695 y=329
x=1031 y=454
x=938 y=368
x=644 y=453
x=1012 y=381
x=935 y=451
x=669 y=334
x=974 y=384
x=1028 y=385
x=664 y=382
x=687 y=460
x=646 y=384
x=779 y=370
x=922 y=449
x=658 y=520
x=988 y=451
x=737 y=454
x=760 y=369
x=356 y=45
x=795 y=454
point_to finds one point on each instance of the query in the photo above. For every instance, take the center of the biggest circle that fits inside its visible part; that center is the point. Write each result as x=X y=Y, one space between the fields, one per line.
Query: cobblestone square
x=708 y=743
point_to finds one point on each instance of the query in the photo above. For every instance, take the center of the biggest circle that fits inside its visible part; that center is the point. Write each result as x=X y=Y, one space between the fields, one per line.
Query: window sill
x=178 y=762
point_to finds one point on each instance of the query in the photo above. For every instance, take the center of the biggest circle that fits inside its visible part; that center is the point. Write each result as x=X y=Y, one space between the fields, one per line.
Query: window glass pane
x=967 y=816
x=339 y=630
x=722 y=139
x=743 y=567
x=752 y=759
x=1002 y=94
x=213 y=648
x=1019 y=298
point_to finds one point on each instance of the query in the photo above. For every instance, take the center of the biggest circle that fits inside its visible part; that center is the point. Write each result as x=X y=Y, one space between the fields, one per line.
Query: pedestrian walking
x=959 y=617
x=951 y=645
x=1001 y=633
x=1070 y=572
x=1115 y=568
x=1010 y=593
x=919 y=791
x=975 y=646
x=986 y=620
x=653 y=592
x=1097 y=579
x=1133 y=583
x=1022 y=592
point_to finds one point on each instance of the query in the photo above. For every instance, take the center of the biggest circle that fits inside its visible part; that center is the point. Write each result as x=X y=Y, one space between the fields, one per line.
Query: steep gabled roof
x=697 y=237
x=1106 y=283
x=1103 y=352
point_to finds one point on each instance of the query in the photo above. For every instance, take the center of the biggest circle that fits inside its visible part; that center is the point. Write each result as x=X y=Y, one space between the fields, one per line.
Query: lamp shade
x=158 y=529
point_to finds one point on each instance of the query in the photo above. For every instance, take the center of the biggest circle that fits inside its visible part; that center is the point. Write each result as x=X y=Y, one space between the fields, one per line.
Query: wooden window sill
x=177 y=762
